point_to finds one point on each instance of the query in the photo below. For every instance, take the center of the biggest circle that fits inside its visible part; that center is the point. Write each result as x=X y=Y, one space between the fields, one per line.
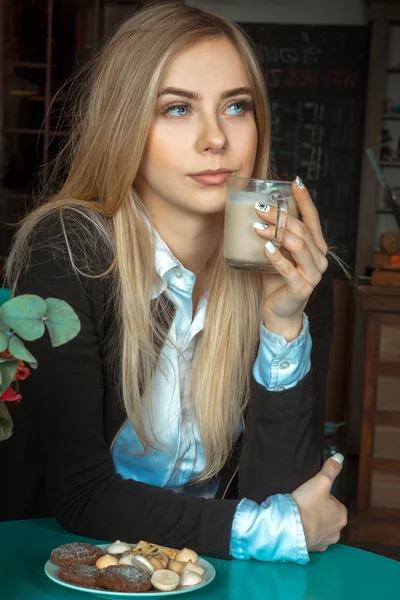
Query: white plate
x=51 y=571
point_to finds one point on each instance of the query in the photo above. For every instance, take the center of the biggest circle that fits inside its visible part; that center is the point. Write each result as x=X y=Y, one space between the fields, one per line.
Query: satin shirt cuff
x=280 y=364
x=271 y=531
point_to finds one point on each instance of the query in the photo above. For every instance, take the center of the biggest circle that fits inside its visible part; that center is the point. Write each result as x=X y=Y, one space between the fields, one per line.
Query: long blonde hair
x=103 y=156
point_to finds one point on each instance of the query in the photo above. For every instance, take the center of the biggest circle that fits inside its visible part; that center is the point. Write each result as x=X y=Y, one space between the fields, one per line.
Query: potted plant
x=27 y=317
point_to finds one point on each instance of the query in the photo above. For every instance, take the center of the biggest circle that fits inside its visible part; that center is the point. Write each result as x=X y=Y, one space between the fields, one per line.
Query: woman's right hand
x=322 y=515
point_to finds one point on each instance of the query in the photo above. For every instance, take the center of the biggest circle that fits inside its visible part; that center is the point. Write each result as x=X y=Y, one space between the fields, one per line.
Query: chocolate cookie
x=75 y=554
x=83 y=575
x=124 y=578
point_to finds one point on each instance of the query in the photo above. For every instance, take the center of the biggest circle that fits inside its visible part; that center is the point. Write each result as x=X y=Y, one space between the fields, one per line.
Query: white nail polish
x=260 y=226
x=300 y=183
x=339 y=458
x=270 y=247
x=263 y=207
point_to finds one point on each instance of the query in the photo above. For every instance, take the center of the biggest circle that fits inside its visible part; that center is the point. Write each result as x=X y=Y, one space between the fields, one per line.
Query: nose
x=212 y=138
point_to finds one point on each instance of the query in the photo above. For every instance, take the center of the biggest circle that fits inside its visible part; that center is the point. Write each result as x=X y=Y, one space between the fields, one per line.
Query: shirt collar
x=165 y=261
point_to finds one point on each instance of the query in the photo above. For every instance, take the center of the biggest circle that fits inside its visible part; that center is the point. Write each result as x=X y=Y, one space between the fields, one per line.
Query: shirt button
x=284 y=364
x=178 y=273
x=280 y=388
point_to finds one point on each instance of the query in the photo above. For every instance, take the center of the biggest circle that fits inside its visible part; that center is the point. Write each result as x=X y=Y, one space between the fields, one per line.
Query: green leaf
x=3 y=326
x=61 y=321
x=17 y=348
x=24 y=315
x=2 y=361
x=6 y=424
x=3 y=341
x=4 y=334
x=8 y=370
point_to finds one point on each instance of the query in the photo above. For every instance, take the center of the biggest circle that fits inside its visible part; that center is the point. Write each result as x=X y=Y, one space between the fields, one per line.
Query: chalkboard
x=316 y=79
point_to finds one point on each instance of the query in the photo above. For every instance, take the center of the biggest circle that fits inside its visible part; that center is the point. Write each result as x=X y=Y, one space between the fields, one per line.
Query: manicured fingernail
x=339 y=458
x=300 y=183
x=270 y=247
x=263 y=207
x=260 y=226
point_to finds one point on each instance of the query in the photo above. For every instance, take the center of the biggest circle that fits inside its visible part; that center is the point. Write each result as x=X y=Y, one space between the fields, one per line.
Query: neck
x=191 y=237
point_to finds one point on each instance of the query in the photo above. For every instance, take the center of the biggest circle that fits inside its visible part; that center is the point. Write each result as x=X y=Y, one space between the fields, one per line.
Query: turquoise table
x=341 y=573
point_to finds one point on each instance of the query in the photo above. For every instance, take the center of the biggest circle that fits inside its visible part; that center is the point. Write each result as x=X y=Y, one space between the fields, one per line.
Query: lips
x=211 y=177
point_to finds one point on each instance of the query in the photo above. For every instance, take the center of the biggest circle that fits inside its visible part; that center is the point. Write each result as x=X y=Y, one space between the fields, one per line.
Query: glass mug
x=243 y=249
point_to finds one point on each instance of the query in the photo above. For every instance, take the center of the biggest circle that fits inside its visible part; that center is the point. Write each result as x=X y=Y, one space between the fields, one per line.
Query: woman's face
x=204 y=121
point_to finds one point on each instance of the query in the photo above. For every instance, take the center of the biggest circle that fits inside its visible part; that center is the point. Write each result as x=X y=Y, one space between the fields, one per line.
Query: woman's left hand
x=287 y=293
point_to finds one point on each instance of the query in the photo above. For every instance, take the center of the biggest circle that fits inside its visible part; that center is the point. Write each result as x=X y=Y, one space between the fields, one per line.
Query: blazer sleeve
x=320 y=309
x=284 y=431
x=64 y=401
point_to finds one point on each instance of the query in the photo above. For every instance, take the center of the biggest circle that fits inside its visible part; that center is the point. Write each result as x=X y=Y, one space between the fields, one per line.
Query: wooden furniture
x=387 y=266
x=378 y=506
x=383 y=16
x=373 y=216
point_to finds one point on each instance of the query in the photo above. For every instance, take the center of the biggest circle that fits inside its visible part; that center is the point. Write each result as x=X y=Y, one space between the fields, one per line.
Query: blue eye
x=178 y=111
x=240 y=108
x=237 y=108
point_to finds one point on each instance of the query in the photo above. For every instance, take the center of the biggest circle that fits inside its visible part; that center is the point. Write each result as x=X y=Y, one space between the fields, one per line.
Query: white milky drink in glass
x=242 y=248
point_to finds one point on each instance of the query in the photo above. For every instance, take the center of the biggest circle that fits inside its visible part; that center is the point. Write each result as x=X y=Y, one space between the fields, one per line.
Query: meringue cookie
x=185 y=555
x=194 y=568
x=145 y=564
x=106 y=561
x=175 y=565
x=118 y=547
x=165 y=580
x=158 y=563
x=137 y=561
x=189 y=578
x=127 y=559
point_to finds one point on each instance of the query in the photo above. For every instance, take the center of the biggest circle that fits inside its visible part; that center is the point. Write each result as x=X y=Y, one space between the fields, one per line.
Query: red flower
x=22 y=372
x=10 y=396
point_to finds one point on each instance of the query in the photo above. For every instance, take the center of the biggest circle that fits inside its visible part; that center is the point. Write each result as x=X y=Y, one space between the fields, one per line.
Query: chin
x=211 y=202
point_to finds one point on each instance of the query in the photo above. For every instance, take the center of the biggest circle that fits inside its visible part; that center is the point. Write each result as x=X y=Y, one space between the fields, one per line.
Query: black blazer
x=59 y=461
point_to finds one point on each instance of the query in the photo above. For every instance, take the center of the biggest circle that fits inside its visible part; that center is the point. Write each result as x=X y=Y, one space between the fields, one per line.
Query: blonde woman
x=189 y=409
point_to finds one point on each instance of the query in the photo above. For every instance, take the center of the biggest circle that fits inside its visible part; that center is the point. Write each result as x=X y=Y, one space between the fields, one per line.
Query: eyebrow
x=194 y=96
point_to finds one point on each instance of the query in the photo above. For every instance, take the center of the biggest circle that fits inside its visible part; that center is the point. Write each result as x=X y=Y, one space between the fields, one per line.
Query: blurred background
x=333 y=75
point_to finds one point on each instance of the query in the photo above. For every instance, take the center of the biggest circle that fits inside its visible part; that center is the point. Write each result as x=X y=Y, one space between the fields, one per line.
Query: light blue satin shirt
x=271 y=531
